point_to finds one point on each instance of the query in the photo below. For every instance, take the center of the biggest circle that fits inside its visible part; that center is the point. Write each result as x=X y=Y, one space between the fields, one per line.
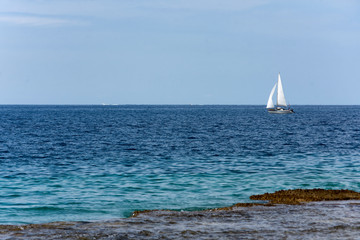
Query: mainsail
x=280 y=94
x=270 y=103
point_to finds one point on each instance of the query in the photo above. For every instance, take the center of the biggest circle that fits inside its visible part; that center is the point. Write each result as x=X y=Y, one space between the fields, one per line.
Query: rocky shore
x=286 y=214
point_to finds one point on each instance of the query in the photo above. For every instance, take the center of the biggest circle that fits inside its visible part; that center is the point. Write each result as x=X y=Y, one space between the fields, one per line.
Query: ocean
x=84 y=163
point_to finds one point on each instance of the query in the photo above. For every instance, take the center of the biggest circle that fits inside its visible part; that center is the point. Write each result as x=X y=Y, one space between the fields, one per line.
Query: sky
x=179 y=52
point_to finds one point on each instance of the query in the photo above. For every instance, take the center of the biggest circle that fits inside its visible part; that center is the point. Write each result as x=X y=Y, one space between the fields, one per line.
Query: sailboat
x=281 y=105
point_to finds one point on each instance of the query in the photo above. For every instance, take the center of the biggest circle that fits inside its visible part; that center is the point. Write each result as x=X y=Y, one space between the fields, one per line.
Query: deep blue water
x=103 y=162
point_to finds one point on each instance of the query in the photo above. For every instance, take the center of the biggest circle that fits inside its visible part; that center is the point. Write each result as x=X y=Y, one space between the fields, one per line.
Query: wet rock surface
x=330 y=219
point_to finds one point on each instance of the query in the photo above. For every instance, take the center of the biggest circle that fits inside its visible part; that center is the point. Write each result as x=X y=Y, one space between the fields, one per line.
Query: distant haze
x=178 y=52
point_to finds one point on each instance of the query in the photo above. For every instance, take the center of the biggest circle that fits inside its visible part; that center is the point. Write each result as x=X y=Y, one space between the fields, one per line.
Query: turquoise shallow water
x=71 y=163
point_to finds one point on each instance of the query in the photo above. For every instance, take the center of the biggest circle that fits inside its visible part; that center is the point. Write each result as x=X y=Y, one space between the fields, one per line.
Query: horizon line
x=159 y=104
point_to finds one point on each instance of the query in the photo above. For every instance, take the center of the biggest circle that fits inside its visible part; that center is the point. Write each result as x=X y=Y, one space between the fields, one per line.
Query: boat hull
x=281 y=111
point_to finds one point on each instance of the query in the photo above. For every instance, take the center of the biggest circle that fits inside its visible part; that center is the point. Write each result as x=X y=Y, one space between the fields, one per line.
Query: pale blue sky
x=178 y=52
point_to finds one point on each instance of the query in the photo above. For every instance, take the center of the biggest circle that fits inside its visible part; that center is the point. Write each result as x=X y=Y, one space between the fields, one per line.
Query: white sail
x=270 y=103
x=280 y=94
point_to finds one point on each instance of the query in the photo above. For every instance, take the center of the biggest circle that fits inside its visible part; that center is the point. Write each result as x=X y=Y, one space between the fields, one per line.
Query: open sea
x=70 y=163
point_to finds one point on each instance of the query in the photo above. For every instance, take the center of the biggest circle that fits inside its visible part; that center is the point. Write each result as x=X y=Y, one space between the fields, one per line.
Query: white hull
x=281 y=111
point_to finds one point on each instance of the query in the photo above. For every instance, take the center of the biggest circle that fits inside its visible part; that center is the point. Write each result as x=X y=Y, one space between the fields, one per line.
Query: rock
x=298 y=196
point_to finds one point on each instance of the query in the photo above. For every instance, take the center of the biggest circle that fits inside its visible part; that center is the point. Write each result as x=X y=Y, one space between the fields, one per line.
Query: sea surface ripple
x=72 y=163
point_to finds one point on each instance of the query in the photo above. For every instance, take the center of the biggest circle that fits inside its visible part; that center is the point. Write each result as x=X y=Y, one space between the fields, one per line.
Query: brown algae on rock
x=298 y=196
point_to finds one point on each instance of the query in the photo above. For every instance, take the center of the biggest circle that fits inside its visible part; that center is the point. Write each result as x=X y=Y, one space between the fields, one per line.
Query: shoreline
x=303 y=213
x=290 y=197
